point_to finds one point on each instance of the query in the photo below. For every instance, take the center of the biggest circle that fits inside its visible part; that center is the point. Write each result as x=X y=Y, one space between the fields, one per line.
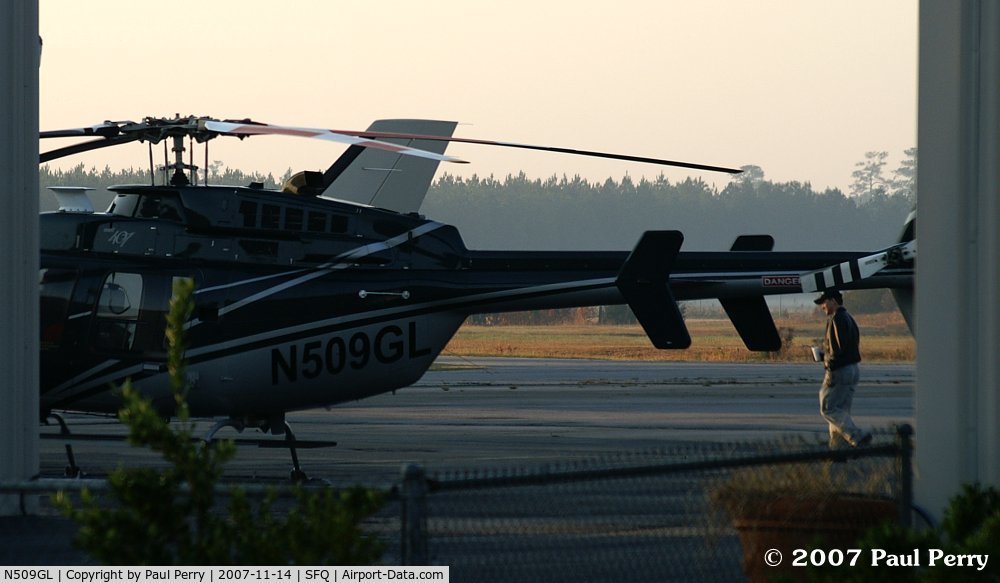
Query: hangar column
x=958 y=270
x=19 y=61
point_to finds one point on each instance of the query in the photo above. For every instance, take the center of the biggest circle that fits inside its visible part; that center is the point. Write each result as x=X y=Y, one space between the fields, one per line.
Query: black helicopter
x=334 y=289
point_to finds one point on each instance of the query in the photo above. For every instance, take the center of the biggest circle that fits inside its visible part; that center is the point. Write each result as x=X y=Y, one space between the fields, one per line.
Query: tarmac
x=497 y=413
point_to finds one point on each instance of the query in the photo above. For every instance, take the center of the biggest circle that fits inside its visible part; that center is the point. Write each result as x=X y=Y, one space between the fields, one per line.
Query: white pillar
x=19 y=60
x=958 y=270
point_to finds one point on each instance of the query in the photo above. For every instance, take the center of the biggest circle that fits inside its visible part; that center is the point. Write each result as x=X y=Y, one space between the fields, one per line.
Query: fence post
x=414 y=516
x=904 y=443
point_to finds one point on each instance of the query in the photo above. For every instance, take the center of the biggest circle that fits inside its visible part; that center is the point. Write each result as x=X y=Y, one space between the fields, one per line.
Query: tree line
x=100 y=180
x=561 y=213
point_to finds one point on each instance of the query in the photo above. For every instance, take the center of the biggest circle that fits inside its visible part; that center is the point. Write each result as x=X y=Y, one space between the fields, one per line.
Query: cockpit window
x=130 y=313
x=124 y=205
x=147 y=206
x=118 y=311
x=159 y=207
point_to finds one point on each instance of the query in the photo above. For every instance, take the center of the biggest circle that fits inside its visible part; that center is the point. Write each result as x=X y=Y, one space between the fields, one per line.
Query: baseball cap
x=830 y=294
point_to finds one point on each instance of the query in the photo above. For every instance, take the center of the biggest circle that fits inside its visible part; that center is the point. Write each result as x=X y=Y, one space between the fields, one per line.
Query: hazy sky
x=801 y=88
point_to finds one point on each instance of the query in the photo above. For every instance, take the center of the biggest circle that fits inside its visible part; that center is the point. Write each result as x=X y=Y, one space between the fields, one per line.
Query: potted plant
x=801 y=506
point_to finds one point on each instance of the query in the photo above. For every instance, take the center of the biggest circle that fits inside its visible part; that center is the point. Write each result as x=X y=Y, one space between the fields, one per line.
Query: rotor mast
x=177 y=133
x=179 y=177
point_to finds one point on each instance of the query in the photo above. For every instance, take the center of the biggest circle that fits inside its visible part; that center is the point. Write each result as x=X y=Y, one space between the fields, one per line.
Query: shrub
x=971 y=526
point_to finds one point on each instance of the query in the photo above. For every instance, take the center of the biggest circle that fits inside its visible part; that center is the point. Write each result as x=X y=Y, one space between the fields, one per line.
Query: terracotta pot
x=790 y=523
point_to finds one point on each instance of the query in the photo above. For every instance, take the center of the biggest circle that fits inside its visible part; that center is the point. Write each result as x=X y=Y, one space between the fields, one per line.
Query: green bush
x=971 y=526
x=168 y=516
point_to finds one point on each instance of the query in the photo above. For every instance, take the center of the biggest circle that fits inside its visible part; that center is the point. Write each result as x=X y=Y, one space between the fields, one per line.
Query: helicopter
x=334 y=288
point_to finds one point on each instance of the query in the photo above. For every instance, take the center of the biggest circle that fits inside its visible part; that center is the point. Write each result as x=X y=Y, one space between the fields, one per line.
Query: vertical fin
x=904 y=297
x=385 y=179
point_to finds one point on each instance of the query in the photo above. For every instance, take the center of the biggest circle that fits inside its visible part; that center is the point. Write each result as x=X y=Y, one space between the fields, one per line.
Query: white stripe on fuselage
x=81 y=376
x=342 y=261
x=506 y=295
x=247 y=281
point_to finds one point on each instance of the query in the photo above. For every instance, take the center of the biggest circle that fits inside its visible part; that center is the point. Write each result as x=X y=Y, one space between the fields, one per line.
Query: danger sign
x=781 y=281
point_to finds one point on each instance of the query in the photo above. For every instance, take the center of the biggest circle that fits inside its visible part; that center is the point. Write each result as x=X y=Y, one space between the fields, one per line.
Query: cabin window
x=389 y=229
x=248 y=209
x=270 y=217
x=317 y=222
x=293 y=219
x=260 y=248
x=338 y=224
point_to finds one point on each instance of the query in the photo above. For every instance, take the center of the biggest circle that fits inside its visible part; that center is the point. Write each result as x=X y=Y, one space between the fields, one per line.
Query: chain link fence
x=694 y=511
x=664 y=515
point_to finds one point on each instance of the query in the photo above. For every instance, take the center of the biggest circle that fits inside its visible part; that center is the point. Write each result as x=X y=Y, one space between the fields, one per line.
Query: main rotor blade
x=242 y=129
x=154 y=129
x=105 y=129
x=86 y=147
x=591 y=153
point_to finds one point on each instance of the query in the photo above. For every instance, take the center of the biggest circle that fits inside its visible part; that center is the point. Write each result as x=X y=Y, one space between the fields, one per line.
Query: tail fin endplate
x=752 y=319
x=643 y=281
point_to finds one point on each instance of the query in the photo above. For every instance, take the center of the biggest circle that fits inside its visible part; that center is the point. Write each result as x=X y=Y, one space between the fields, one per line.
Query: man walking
x=841 y=355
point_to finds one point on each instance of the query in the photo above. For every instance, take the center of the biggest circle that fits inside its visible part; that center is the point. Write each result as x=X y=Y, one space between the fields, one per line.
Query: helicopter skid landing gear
x=72 y=470
x=297 y=475
x=219 y=425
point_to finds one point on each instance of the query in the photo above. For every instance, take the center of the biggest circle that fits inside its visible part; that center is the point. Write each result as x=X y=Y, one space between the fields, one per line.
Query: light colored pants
x=835 y=397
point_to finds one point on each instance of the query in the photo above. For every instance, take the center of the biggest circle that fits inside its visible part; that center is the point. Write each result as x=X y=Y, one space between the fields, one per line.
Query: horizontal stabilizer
x=753 y=321
x=858 y=269
x=643 y=281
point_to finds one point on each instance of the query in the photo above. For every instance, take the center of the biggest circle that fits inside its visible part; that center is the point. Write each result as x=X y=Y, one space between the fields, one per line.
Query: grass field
x=884 y=338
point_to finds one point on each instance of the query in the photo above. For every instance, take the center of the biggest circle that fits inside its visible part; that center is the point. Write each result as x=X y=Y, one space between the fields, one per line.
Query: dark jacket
x=842 y=344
